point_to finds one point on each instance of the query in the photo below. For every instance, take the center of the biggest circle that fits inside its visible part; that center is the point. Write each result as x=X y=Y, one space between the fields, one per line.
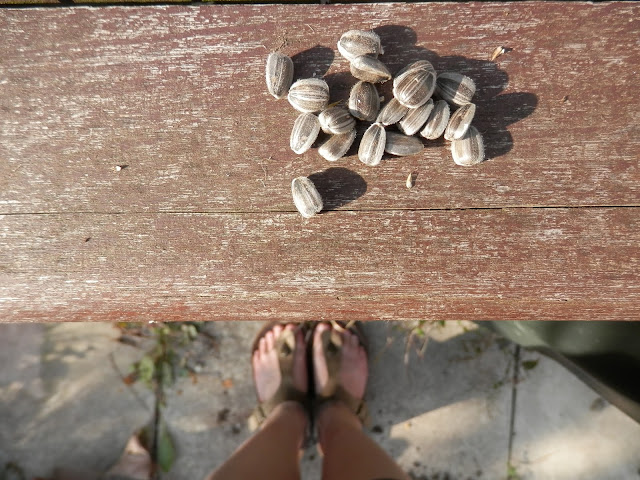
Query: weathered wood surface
x=484 y=264
x=200 y=223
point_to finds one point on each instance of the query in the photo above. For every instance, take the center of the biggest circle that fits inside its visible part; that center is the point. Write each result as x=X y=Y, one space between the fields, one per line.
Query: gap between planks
x=363 y=210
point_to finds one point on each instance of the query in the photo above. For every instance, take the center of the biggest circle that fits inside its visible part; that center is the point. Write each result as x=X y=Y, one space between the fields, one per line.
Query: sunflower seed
x=364 y=101
x=355 y=43
x=369 y=69
x=459 y=122
x=415 y=118
x=372 y=145
x=336 y=120
x=469 y=150
x=437 y=121
x=455 y=88
x=337 y=146
x=309 y=95
x=304 y=133
x=419 y=65
x=392 y=112
x=401 y=145
x=279 y=73
x=306 y=197
x=414 y=87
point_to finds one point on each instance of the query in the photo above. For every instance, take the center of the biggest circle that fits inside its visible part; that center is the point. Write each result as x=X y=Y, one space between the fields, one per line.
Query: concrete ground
x=455 y=413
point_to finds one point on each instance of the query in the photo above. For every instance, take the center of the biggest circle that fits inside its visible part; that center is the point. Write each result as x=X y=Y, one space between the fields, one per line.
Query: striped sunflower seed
x=455 y=88
x=469 y=150
x=306 y=197
x=279 y=73
x=437 y=121
x=337 y=146
x=304 y=133
x=459 y=122
x=309 y=95
x=355 y=43
x=372 y=145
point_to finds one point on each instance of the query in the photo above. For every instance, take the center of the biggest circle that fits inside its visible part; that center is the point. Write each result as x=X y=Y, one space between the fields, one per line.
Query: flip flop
x=333 y=390
x=286 y=392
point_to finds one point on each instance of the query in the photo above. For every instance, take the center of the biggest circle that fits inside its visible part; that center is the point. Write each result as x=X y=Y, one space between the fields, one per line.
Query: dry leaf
x=130 y=379
x=410 y=180
x=227 y=383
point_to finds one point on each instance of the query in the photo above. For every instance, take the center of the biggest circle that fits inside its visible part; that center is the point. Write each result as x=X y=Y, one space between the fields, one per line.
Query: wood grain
x=177 y=93
x=579 y=263
x=200 y=224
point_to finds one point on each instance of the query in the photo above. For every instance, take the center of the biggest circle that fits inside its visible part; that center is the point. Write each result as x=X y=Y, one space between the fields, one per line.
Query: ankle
x=334 y=418
x=290 y=412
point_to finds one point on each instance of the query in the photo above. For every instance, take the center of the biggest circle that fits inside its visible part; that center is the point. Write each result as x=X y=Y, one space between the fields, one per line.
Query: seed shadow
x=313 y=62
x=338 y=186
x=495 y=114
x=496 y=110
x=400 y=48
x=340 y=86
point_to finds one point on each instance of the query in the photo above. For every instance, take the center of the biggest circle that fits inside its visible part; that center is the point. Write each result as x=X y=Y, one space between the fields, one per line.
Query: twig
x=407 y=350
x=424 y=346
x=378 y=357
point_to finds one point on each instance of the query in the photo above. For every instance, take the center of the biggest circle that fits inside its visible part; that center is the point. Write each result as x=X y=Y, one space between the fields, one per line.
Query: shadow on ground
x=63 y=402
x=442 y=413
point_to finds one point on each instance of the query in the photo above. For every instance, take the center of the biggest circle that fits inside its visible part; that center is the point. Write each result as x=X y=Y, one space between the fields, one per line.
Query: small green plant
x=158 y=369
x=512 y=473
x=417 y=335
x=166 y=361
x=530 y=364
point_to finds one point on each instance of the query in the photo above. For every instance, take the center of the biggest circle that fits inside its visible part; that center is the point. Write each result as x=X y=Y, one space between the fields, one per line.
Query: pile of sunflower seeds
x=412 y=110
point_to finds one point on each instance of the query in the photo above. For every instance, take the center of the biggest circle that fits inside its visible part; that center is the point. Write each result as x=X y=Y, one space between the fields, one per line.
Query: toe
x=322 y=327
x=321 y=374
x=262 y=345
x=276 y=331
x=317 y=338
x=269 y=339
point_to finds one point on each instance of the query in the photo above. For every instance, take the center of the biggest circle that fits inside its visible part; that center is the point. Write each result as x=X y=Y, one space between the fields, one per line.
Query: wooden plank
x=200 y=223
x=177 y=94
x=532 y=263
x=29 y=3
x=61 y=3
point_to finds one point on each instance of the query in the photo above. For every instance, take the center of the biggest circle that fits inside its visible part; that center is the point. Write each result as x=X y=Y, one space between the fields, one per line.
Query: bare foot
x=266 y=369
x=353 y=366
x=135 y=462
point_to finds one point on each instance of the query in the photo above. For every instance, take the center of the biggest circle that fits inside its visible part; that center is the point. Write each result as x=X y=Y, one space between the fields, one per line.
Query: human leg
x=273 y=452
x=349 y=454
